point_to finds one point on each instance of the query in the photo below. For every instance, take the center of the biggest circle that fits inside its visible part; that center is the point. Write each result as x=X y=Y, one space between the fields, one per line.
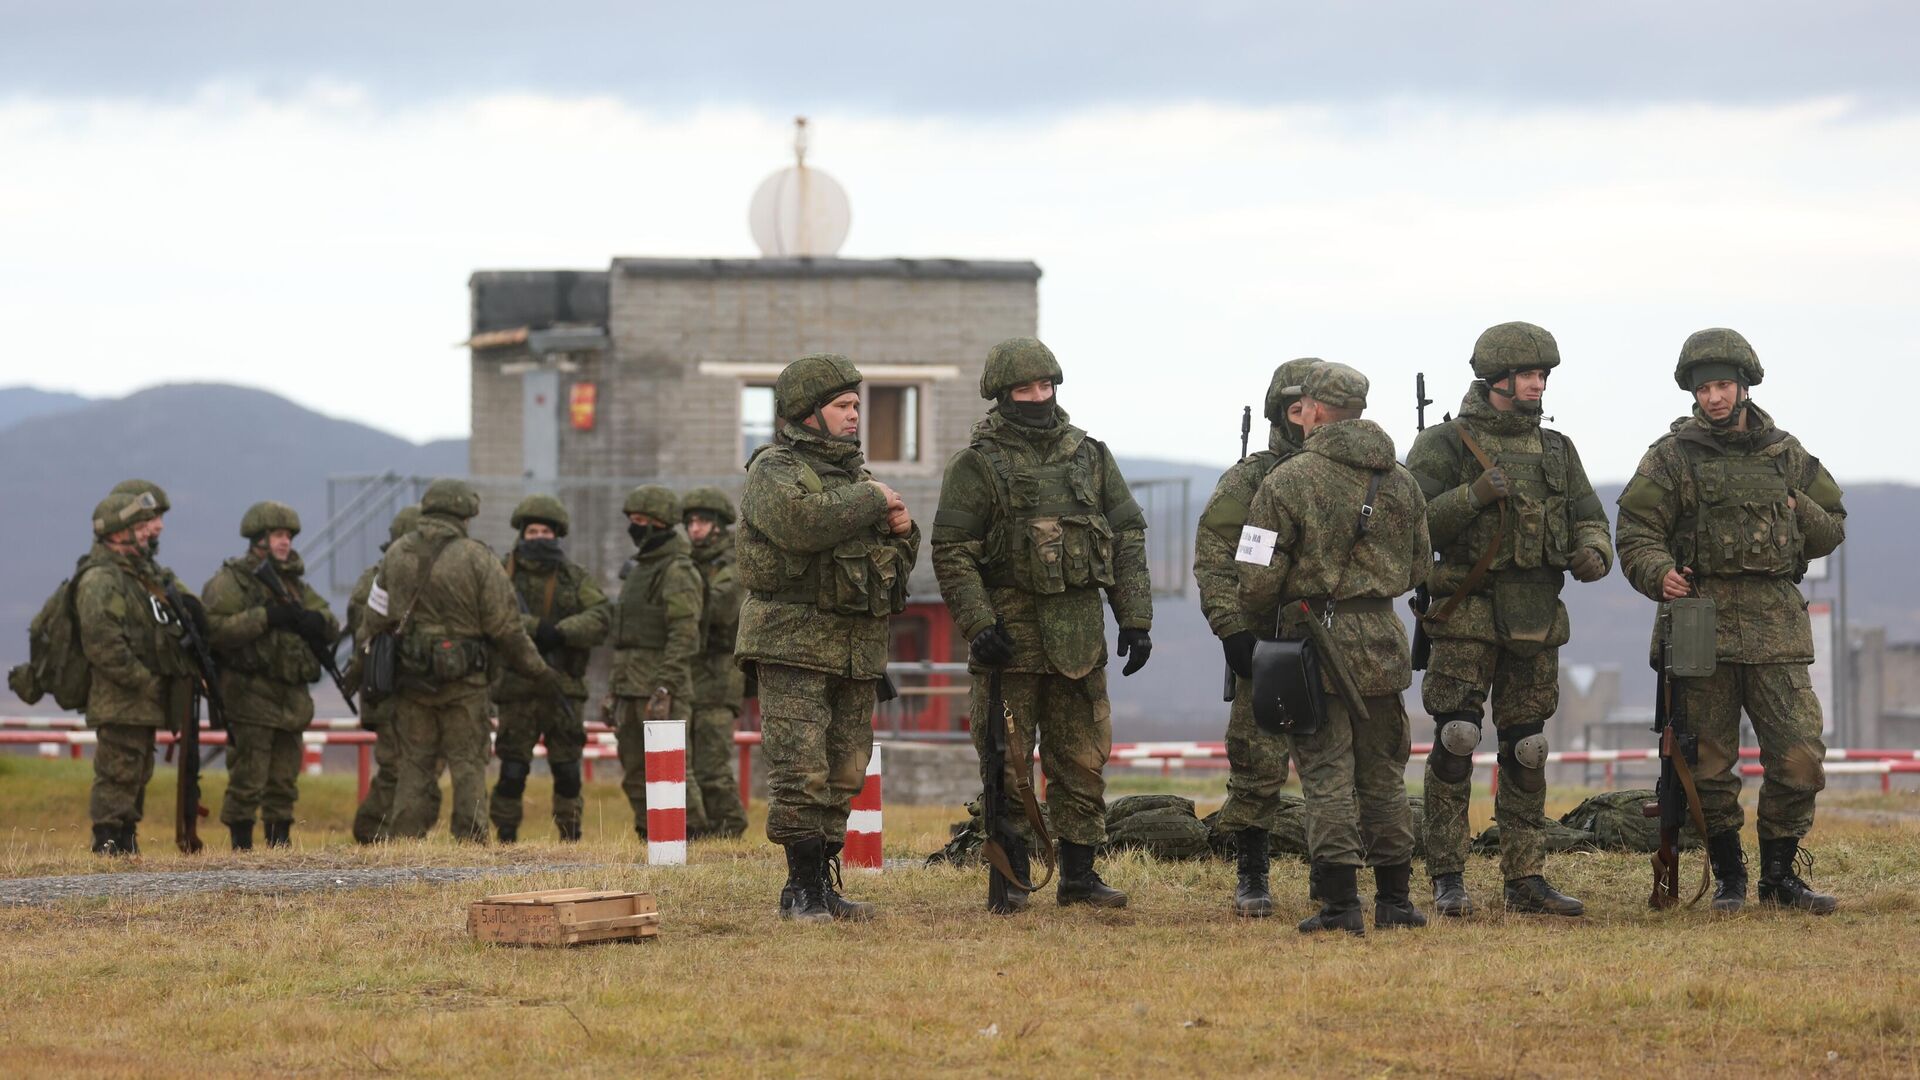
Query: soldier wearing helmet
x=718 y=685
x=564 y=610
x=373 y=820
x=456 y=623
x=1035 y=525
x=1256 y=759
x=264 y=635
x=1728 y=506
x=1511 y=513
x=824 y=552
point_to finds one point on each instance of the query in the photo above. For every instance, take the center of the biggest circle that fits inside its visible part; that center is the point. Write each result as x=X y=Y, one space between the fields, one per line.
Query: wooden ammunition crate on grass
x=563 y=917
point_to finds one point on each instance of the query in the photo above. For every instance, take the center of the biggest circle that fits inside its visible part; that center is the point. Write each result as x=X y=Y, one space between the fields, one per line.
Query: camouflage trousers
x=263 y=774
x=523 y=725
x=710 y=755
x=629 y=730
x=1075 y=729
x=1526 y=691
x=817 y=735
x=373 y=821
x=1353 y=774
x=455 y=731
x=1256 y=767
x=122 y=765
x=1779 y=699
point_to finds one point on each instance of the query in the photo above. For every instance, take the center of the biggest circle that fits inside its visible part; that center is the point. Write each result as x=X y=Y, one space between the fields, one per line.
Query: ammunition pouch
x=1528 y=617
x=1456 y=736
x=428 y=662
x=1288 y=694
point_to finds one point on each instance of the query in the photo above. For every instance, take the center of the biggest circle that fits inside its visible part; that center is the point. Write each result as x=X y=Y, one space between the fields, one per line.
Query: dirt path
x=47 y=890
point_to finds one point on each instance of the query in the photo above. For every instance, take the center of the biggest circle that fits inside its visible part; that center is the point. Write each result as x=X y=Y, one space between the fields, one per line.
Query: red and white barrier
x=666 y=743
x=863 y=822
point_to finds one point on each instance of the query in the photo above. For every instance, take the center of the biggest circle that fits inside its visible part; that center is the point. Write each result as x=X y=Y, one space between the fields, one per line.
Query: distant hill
x=19 y=403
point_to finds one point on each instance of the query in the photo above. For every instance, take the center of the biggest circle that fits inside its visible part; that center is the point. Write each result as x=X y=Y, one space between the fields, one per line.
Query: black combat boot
x=1339 y=900
x=839 y=906
x=1533 y=896
x=1393 y=898
x=1079 y=884
x=569 y=829
x=1450 y=896
x=106 y=840
x=509 y=834
x=1020 y=861
x=279 y=833
x=242 y=836
x=1729 y=871
x=1251 y=900
x=130 y=838
x=804 y=897
x=1781 y=886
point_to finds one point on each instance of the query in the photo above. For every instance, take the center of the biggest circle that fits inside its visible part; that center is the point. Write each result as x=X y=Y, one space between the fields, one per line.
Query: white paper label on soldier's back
x=377 y=599
x=1256 y=545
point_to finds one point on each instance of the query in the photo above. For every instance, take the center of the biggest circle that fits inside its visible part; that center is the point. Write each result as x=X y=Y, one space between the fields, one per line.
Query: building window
x=756 y=418
x=893 y=423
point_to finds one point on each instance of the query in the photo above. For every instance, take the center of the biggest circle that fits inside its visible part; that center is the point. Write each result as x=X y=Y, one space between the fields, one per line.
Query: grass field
x=384 y=980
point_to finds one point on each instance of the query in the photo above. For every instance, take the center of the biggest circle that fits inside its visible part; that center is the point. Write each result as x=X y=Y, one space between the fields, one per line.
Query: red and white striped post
x=312 y=744
x=863 y=822
x=666 y=744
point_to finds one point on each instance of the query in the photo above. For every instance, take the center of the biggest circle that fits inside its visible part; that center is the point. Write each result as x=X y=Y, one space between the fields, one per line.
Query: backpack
x=56 y=664
x=1617 y=823
x=1162 y=826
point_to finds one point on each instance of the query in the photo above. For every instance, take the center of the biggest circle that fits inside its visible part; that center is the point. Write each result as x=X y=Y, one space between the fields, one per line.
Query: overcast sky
x=292 y=196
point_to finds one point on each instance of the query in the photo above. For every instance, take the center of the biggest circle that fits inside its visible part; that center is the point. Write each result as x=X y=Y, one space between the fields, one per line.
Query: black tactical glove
x=1491 y=485
x=313 y=626
x=1136 y=646
x=993 y=647
x=1587 y=565
x=1239 y=649
x=283 y=617
x=196 y=611
x=547 y=637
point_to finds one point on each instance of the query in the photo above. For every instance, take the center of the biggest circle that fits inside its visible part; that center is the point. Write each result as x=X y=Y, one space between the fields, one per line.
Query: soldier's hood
x=1062 y=438
x=677 y=545
x=1362 y=444
x=1761 y=430
x=1280 y=441
x=440 y=525
x=1484 y=415
x=805 y=440
x=721 y=544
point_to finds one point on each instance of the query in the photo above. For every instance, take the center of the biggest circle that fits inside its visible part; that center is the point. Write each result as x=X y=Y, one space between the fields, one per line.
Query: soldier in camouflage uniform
x=260 y=638
x=1500 y=630
x=565 y=612
x=824 y=550
x=1256 y=759
x=1336 y=563
x=1728 y=506
x=718 y=684
x=656 y=636
x=141 y=676
x=1035 y=522
x=456 y=618
x=374 y=819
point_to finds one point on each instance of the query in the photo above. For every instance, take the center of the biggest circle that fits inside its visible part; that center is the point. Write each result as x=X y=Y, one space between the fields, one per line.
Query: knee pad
x=566 y=779
x=1456 y=735
x=1523 y=752
x=513 y=778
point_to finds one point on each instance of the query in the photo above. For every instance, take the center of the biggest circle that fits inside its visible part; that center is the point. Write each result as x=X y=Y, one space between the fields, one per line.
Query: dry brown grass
x=385 y=981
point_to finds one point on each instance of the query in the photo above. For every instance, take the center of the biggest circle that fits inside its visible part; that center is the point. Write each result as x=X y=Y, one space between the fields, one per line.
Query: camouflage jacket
x=1311 y=503
x=1551 y=513
x=264 y=673
x=465 y=620
x=577 y=608
x=1218 y=535
x=656 y=624
x=132 y=653
x=1718 y=502
x=812 y=525
x=717 y=679
x=1033 y=524
x=373 y=716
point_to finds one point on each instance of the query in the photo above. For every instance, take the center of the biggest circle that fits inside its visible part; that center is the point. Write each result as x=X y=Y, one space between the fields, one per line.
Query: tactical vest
x=550 y=597
x=1055 y=536
x=280 y=655
x=859 y=576
x=641 y=619
x=1539 y=513
x=1740 y=522
x=718 y=630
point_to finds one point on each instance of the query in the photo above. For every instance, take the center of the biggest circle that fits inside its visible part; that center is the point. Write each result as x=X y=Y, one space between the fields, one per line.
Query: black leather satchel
x=1288 y=696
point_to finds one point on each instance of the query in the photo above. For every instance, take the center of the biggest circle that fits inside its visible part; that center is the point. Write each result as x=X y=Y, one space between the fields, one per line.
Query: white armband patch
x=1256 y=545
x=377 y=599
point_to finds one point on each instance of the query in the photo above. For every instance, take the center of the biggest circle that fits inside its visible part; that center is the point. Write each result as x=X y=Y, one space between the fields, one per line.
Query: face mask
x=538 y=551
x=1038 y=414
x=648 y=537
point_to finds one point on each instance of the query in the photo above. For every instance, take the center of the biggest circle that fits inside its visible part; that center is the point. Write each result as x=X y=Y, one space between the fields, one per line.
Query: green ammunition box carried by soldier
x=1729 y=507
x=565 y=612
x=455 y=620
x=656 y=636
x=1035 y=525
x=1335 y=533
x=824 y=552
x=1256 y=759
x=260 y=635
x=373 y=820
x=718 y=684
x=1511 y=512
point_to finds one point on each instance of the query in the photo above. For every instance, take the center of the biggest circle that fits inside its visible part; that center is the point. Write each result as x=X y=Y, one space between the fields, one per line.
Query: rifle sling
x=1485 y=562
x=1023 y=786
x=1685 y=772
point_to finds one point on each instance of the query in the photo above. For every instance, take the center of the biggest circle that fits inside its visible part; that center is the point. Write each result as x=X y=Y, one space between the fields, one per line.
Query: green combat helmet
x=123 y=510
x=1509 y=347
x=544 y=509
x=806 y=385
x=402 y=523
x=1336 y=386
x=1719 y=353
x=1015 y=361
x=1284 y=390
x=710 y=500
x=454 y=498
x=146 y=487
x=263 y=517
x=654 y=501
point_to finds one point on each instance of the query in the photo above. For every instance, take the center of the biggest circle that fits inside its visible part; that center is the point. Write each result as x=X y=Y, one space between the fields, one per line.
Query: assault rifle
x=1422 y=599
x=1686 y=625
x=187 y=810
x=1004 y=850
x=321 y=648
x=1246 y=429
